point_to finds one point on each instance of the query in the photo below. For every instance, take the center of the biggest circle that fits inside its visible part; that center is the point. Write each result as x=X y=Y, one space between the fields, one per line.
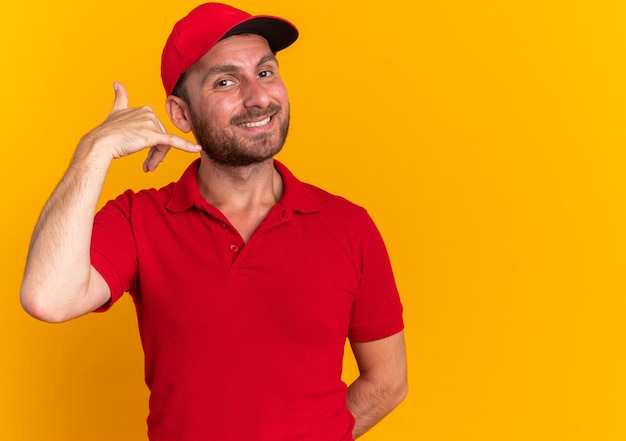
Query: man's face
x=238 y=102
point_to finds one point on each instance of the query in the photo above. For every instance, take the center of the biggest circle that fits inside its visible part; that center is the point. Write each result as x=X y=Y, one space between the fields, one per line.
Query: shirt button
x=222 y=224
x=234 y=248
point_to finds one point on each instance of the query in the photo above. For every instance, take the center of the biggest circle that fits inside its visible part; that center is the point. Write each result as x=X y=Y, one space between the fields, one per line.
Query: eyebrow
x=227 y=68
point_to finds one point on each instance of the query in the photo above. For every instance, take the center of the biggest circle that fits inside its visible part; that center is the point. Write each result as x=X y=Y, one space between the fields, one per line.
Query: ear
x=178 y=111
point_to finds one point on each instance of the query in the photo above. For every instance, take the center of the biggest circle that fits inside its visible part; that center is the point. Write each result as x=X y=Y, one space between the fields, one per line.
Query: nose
x=255 y=95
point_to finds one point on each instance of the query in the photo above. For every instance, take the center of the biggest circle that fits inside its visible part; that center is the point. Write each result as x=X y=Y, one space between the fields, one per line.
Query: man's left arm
x=382 y=382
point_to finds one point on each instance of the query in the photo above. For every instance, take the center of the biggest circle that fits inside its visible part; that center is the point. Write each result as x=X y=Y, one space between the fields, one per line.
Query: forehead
x=235 y=50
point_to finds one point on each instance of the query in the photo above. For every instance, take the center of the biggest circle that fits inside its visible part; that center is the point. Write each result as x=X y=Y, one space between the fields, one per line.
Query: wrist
x=92 y=151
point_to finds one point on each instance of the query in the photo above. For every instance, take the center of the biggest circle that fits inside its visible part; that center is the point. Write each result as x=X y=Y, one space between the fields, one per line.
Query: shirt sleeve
x=113 y=251
x=377 y=309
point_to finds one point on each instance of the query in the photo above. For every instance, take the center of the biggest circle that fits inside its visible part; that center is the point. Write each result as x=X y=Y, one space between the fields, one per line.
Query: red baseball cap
x=195 y=34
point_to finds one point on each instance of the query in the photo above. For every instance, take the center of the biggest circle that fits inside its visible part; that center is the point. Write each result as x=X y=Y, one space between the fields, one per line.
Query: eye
x=265 y=73
x=224 y=83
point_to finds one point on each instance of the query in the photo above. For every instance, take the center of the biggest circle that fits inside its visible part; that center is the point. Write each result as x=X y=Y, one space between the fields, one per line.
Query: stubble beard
x=228 y=149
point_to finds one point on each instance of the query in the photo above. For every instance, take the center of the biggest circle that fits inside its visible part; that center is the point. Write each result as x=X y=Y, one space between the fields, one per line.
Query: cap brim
x=279 y=33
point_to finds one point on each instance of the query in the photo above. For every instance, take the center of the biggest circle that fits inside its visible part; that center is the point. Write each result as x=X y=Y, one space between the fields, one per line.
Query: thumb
x=121 y=97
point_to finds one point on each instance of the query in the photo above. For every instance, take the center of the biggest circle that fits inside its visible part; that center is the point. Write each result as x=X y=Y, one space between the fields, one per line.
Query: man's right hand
x=129 y=130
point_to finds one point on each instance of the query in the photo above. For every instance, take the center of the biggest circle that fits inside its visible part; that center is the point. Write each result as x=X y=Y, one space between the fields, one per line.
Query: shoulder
x=176 y=196
x=334 y=203
x=132 y=199
x=308 y=198
x=340 y=215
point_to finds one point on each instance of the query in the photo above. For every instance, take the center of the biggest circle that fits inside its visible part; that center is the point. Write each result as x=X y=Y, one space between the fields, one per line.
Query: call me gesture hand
x=59 y=281
x=129 y=130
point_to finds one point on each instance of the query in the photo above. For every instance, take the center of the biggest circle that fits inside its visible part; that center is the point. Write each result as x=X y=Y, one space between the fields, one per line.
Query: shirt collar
x=296 y=195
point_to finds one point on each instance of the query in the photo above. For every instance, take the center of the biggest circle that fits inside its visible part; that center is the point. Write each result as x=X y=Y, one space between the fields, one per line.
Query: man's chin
x=240 y=159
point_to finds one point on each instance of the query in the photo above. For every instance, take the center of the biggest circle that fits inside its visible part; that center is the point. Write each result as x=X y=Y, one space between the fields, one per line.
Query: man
x=246 y=281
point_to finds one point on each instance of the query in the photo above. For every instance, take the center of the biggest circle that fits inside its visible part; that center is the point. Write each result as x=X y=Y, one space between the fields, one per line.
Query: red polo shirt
x=245 y=341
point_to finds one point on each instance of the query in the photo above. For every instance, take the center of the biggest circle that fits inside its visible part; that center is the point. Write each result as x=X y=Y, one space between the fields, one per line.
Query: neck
x=239 y=189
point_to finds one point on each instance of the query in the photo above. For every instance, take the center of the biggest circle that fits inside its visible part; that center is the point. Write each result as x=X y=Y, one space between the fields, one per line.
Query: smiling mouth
x=262 y=123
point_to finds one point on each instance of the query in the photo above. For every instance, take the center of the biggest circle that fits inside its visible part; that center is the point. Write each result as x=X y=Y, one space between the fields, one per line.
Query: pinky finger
x=155 y=157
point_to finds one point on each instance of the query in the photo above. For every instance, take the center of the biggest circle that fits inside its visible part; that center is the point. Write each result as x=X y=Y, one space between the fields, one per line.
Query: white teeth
x=258 y=124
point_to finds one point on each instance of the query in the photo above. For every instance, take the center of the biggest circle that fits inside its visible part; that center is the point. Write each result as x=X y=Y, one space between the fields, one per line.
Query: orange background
x=486 y=138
